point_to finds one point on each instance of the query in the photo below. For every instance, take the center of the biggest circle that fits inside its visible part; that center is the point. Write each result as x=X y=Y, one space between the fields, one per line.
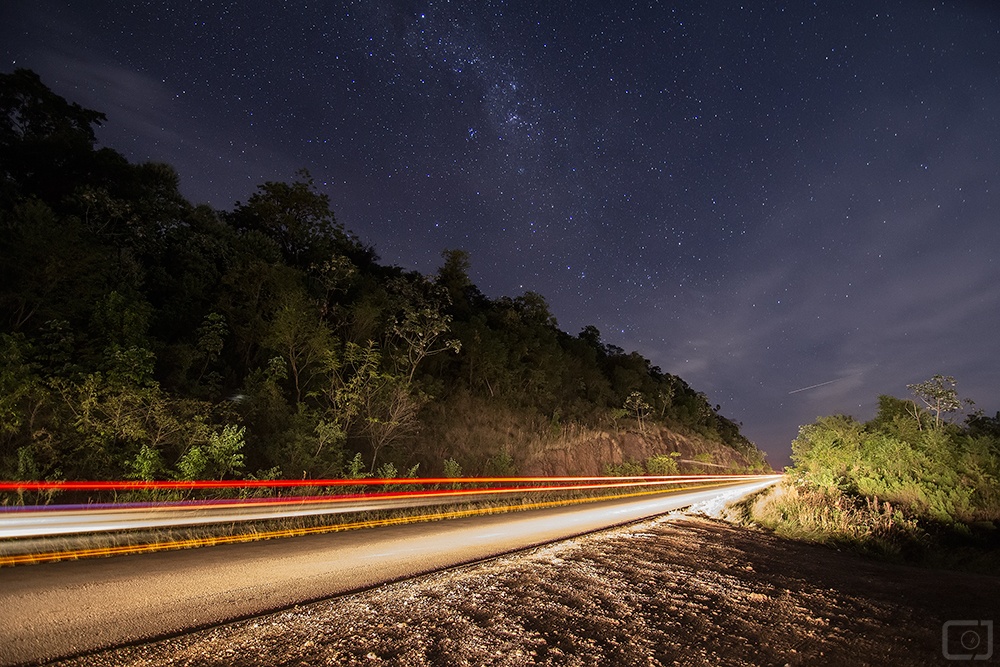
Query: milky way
x=757 y=198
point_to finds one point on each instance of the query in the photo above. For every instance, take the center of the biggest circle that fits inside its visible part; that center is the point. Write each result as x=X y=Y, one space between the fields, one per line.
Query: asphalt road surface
x=70 y=608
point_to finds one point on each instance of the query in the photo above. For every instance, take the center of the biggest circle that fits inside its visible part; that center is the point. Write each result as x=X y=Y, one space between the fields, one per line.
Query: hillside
x=147 y=338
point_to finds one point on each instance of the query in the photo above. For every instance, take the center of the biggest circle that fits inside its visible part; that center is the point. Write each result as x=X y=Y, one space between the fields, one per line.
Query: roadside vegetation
x=145 y=337
x=913 y=484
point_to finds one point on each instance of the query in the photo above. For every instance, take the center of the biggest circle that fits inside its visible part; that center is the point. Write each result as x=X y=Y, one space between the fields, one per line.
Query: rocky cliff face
x=478 y=434
x=587 y=452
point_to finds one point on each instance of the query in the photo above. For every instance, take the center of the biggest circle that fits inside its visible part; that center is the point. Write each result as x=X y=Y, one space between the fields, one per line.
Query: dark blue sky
x=759 y=197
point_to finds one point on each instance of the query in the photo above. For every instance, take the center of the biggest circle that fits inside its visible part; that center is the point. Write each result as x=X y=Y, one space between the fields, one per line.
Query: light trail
x=821 y=384
x=297 y=532
x=76 y=522
x=39 y=521
x=141 y=485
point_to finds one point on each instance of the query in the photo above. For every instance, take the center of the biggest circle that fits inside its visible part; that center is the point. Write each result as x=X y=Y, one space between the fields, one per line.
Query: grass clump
x=811 y=513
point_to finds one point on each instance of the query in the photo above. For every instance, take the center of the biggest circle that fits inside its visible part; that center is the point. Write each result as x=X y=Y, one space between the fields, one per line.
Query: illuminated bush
x=933 y=470
x=661 y=464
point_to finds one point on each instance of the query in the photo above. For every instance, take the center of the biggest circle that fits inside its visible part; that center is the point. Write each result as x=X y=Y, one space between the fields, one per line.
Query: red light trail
x=139 y=485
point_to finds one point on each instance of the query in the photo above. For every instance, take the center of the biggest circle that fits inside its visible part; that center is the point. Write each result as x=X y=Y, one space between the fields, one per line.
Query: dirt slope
x=475 y=430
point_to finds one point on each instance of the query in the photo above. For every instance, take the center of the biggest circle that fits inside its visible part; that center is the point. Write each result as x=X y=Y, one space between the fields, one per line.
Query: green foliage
x=221 y=456
x=624 y=469
x=662 y=464
x=452 y=468
x=930 y=469
x=194 y=464
x=18 y=382
x=298 y=335
x=501 y=464
x=827 y=451
x=147 y=465
x=27 y=469
x=387 y=471
x=144 y=337
x=356 y=468
x=211 y=339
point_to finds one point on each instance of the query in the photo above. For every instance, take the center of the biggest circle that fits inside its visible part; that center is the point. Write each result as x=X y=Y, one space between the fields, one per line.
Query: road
x=69 y=608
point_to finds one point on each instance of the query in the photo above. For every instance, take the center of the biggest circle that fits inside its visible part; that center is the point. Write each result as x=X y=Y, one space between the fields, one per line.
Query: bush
x=941 y=474
x=805 y=511
x=452 y=468
x=661 y=464
x=625 y=469
x=906 y=478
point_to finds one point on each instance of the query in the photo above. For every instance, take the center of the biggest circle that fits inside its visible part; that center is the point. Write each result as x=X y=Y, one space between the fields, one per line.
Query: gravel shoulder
x=676 y=590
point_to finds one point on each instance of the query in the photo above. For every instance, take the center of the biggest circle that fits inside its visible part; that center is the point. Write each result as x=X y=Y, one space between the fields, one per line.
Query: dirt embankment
x=677 y=590
x=475 y=430
x=581 y=451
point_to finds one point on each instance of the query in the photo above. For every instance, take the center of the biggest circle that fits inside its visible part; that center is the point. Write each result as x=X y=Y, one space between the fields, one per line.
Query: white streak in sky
x=813 y=386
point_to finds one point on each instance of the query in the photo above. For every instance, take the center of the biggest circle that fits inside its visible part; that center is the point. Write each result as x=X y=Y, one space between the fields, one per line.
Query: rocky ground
x=677 y=590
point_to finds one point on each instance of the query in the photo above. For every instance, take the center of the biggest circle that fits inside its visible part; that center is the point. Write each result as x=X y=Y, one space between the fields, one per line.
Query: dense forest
x=144 y=337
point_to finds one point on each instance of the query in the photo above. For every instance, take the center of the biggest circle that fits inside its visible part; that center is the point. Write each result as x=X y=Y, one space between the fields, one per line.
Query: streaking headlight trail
x=325 y=497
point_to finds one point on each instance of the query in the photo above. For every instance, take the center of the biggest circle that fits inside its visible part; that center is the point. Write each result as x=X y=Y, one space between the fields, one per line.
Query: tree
x=637 y=405
x=666 y=397
x=390 y=413
x=220 y=456
x=361 y=397
x=297 y=217
x=592 y=336
x=211 y=338
x=453 y=276
x=980 y=424
x=46 y=143
x=133 y=325
x=422 y=323
x=49 y=266
x=939 y=396
x=300 y=337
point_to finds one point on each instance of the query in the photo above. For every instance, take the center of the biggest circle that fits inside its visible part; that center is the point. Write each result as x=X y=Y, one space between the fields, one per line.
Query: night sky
x=760 y=197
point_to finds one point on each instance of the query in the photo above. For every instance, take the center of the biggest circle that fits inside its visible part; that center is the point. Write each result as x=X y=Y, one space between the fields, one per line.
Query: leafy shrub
x=452 y=468
x=624 y=469
x=661 y=464
x=932 y=470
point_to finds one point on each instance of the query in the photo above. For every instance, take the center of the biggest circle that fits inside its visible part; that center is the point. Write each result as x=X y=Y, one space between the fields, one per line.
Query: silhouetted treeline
x=142 y=336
